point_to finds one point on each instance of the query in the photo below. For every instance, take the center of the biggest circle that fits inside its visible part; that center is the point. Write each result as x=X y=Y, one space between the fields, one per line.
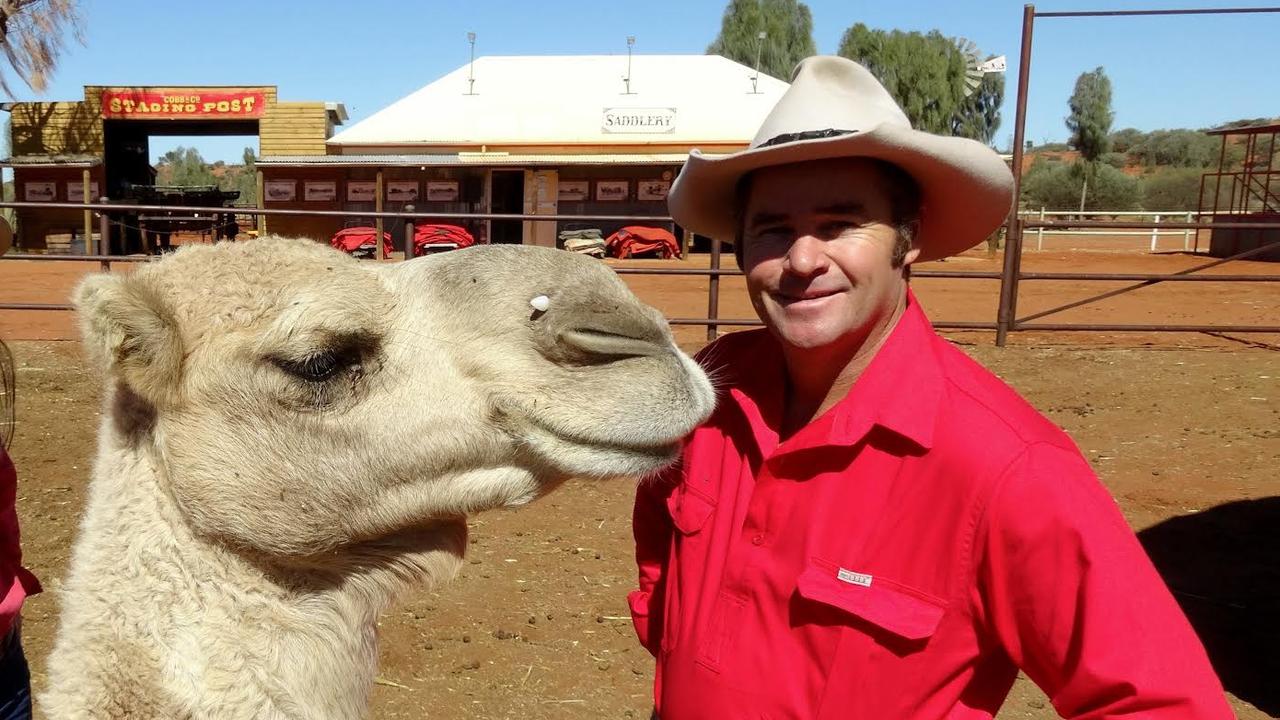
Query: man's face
x=818 y=241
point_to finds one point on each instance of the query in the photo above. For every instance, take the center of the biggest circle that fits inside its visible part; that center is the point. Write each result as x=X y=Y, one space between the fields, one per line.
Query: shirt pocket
x=690 y=508
x=879 y=606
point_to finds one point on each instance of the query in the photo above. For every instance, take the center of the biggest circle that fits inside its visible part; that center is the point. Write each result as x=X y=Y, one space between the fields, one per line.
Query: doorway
x=506 y=188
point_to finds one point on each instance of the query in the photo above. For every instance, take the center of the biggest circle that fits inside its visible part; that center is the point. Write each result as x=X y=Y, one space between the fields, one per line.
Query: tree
x=1090 y=122
x=1057 y=186
x=33 y=33
x=979 y=115
x=1173 y=189
x=1183 y=148
x=247 y=180
x=1123 y=141
x=788 y=28
x=924 y=72
x=185 y=167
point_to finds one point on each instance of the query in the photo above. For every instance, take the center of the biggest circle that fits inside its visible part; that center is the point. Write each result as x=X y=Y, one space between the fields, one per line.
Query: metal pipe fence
x=1005 y=322
x=1007 y=319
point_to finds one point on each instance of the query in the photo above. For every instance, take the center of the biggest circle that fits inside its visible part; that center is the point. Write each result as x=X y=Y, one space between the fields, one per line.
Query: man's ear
x=911 y=256
x=131 y=332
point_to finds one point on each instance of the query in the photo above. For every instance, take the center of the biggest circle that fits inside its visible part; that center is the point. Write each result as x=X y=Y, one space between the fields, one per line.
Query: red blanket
x=640 y=241
x=360 y=239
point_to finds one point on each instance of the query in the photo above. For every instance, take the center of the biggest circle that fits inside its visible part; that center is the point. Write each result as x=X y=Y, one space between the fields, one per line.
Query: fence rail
x=1165 y=224
x=1006 y=320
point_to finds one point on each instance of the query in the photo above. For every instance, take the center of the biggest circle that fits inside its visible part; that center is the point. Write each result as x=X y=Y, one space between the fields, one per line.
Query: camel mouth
x=657 y=449
x=595 y=456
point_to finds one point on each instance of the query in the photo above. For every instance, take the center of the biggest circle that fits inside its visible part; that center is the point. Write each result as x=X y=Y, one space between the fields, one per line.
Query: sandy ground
x=1182 y=428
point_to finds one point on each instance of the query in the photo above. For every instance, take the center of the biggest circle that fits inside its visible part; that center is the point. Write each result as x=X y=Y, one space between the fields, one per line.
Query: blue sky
x=1166 y=71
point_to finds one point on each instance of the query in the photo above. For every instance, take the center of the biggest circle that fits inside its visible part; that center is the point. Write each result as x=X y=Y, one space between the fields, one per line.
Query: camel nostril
x=607 y=344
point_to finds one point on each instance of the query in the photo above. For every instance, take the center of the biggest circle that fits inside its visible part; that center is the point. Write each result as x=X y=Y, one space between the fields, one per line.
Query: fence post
x=713 y=292
x=1040 y=232
x=260 y=184
x=88 y=214
x=104 y=236
x=1155 y=233
x=1186 y=236
x=377 y=207
x=408 y=234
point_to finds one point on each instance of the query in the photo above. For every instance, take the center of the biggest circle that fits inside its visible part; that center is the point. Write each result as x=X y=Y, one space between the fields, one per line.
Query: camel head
x=296 y=402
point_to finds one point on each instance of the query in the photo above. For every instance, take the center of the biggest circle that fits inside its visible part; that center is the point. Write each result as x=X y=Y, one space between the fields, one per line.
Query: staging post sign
x=183 y=103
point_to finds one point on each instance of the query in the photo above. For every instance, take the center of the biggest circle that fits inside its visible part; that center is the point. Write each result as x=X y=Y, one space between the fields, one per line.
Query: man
x=871 y=525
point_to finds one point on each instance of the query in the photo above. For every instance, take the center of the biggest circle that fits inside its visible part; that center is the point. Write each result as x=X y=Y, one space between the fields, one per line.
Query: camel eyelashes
x=320 y=366
x=316 y=368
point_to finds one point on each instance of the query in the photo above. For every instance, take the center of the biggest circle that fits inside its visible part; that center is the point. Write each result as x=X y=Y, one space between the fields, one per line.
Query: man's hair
x=905 y=201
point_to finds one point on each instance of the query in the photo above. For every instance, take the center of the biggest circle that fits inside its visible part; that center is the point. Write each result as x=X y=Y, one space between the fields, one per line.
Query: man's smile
x=804 y=299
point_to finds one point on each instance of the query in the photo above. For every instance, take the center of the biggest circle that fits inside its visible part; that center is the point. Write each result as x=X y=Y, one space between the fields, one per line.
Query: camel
x=293 y=438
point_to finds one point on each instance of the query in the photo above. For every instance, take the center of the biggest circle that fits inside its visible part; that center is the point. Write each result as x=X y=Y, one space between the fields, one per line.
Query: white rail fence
x=1155 y=234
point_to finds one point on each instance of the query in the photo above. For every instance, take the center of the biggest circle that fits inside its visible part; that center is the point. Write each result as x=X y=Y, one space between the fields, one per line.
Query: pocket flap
x=689 y=509
x=896 y=608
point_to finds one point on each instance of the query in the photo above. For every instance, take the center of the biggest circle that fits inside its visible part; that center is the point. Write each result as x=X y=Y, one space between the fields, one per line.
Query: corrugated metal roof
x=693 y=100
x=477 y=159
x=1247 y=130
x=51 y=160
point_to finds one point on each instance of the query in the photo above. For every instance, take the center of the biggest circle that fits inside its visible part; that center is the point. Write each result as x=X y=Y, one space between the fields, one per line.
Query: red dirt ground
x=1182 y=428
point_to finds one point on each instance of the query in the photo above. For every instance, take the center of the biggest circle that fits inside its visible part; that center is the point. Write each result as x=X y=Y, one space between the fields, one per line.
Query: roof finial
x=760 y=36
x=471 y=77
x=631 y=41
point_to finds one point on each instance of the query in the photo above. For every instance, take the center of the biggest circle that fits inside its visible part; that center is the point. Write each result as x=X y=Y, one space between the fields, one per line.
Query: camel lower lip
x=657 y=450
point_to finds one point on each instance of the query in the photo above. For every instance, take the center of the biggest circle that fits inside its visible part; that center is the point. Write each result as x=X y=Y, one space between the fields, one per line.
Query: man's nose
x=807 y=257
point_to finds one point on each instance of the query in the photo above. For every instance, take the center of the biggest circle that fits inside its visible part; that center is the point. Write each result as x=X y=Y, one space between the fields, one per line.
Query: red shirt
x=901 y=556
x=15 y=582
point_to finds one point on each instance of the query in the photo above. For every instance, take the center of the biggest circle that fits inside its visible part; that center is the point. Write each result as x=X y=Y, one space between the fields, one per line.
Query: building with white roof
x=586 y=135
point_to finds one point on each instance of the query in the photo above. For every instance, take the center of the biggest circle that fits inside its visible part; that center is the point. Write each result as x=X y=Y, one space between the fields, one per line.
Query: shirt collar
x=899 y=390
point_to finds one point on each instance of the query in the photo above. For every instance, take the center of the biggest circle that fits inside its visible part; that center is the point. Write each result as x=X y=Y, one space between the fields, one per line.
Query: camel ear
x=132 y=333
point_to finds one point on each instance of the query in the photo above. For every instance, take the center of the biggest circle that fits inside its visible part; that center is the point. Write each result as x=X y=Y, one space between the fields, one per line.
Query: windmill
x=974 y=68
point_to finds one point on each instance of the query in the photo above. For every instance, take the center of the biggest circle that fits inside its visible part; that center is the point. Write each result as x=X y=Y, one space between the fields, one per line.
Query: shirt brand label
x=854 y=578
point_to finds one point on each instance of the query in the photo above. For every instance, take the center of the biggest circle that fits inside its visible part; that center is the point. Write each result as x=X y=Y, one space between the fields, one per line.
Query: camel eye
x=315 y=368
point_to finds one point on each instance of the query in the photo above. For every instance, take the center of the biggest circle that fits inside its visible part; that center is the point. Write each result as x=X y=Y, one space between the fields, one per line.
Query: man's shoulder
x=983 y=415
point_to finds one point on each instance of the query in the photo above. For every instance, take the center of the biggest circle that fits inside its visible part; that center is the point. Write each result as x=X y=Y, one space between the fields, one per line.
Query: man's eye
x=772 y=233
x=315 y=368
x=835 y=228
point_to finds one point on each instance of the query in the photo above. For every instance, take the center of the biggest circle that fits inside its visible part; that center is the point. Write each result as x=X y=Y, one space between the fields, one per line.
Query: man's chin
x=803 y=335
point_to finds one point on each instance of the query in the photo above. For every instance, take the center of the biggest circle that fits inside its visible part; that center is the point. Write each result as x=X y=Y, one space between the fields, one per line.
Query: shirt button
x=757 y=540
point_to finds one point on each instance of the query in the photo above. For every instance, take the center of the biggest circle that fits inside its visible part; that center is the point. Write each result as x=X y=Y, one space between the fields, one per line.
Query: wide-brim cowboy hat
x=836 y=108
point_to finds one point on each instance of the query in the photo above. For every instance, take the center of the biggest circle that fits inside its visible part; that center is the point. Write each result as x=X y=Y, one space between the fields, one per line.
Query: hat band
x=804 y=135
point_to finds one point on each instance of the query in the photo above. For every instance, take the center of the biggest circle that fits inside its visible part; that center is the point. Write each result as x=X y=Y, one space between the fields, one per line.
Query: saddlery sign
x=639 y=120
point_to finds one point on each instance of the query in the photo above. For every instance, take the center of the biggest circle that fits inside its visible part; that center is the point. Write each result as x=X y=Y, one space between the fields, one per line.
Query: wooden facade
x=54 y=142
x=53 y=228
x=56 y=129
x=294 y=128
x=480 y=189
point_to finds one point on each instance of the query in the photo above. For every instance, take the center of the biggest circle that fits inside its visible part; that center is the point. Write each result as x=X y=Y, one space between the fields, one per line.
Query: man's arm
x=651 y=525
x=1076 y=603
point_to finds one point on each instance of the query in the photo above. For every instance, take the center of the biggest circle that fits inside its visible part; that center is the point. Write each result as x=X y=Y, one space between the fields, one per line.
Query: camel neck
x=187 y=617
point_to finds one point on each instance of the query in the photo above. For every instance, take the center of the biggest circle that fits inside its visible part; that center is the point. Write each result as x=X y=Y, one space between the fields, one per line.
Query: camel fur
x=292 y=439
